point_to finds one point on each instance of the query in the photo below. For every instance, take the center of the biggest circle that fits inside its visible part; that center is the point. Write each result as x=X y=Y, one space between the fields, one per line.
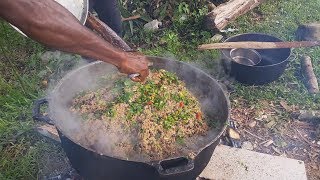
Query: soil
x=276 y=135
x=53 y=165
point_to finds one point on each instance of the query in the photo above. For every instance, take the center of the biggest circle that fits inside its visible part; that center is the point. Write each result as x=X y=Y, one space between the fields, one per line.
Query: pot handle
x=175 y=166
x=36 y=113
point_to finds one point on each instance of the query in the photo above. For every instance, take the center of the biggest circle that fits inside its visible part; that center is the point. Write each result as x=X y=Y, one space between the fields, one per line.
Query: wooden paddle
x=259 y=45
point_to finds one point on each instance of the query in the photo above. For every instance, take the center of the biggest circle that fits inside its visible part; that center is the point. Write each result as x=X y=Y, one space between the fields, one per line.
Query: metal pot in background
x=270 y=68
x=248 y=57
x=92 y=165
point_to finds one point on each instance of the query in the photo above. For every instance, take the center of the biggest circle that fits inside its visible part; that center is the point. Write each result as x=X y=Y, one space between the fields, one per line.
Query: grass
x=19 y=87
x=22 y=70
x=279 y=18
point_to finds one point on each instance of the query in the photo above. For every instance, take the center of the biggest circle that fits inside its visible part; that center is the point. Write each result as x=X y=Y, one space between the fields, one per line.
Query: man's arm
x=49 y=23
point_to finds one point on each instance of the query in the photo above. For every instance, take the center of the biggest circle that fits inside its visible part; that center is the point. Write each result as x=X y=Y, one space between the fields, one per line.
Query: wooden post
x=310 y=77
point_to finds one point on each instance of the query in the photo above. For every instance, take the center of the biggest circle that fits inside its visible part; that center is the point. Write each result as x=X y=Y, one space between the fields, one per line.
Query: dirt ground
x=263 y=131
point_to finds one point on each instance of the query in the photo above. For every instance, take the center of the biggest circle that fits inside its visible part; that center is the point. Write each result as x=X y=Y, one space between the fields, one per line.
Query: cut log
x=221 y=16
x=309 y=115
x=310 y=77
x=308 y=32
x=106 y=32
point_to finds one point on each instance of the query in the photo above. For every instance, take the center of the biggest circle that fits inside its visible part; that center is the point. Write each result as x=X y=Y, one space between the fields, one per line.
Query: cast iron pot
x=271 y=67
x=93 y=165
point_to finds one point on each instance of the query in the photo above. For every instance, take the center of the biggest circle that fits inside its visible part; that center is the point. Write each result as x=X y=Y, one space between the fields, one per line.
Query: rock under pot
x=270 y=68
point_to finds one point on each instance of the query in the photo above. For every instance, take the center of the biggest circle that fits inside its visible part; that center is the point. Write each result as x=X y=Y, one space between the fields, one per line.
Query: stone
x=247 y=145
x=233 y=163
x=44 y=83
x=152 y=25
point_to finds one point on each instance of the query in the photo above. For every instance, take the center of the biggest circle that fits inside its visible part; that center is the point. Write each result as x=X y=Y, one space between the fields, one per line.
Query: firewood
x=106 y=32
x=130 y=18
x=308 y=32
x=310 y=77
x=222 y=15
x=309 y=115
x=259 y=45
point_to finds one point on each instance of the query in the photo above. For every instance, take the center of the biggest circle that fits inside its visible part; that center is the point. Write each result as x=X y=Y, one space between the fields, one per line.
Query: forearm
x=49 y=23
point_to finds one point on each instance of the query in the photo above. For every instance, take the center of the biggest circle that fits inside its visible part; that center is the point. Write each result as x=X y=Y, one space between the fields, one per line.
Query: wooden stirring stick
x=259 y=45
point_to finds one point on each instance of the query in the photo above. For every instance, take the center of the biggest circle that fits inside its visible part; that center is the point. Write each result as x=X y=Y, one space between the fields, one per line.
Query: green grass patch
x=20 y=63
x=281 y=18
x=21 y=70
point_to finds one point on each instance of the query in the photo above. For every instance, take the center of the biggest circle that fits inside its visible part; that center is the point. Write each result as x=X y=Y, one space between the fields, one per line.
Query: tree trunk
x=308 y=32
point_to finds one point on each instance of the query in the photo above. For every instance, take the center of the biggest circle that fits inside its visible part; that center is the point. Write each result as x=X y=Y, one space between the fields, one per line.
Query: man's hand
x=49 y=23
x=134 y=63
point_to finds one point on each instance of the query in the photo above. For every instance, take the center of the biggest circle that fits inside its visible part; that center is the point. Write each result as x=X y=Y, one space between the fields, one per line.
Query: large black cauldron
x=92 y=165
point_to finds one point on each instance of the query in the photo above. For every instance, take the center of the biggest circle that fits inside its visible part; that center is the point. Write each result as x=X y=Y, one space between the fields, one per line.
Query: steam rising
x=95 y=135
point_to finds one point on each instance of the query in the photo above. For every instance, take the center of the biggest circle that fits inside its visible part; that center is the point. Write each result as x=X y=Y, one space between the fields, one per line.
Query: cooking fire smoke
x=94 y=134
x=91 y=135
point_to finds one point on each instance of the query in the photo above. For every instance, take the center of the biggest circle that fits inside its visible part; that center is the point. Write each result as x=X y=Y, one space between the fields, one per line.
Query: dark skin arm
x=49 y=23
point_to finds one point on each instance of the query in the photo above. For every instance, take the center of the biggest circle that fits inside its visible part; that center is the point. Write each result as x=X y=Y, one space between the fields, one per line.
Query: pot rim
x=257 y=66
x=155 y=162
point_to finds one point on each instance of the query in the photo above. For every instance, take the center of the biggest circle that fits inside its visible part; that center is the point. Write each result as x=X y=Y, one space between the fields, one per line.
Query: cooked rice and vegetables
x=161 y=112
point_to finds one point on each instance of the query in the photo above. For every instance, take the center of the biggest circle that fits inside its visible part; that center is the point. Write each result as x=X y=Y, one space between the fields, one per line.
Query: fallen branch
x=106 y=32
x=130 y=18
x=310 y=77
x=253 y=135
x=222 y=15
